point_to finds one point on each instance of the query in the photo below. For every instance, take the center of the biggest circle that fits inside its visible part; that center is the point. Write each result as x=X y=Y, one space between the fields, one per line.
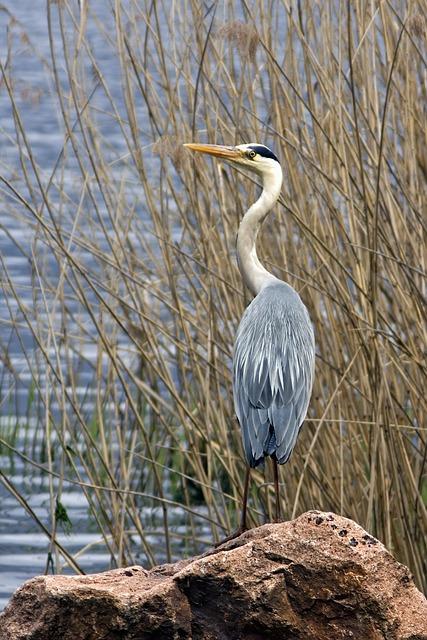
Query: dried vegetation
x=142 y=236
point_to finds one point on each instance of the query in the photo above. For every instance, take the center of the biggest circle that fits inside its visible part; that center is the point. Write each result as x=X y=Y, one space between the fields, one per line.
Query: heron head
x=253 y=156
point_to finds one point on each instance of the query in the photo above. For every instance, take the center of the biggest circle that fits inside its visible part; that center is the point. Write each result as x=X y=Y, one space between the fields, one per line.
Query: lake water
x=23 y=548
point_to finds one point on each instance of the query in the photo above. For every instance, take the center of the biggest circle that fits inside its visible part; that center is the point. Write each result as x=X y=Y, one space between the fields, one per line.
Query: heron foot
x=238 y=532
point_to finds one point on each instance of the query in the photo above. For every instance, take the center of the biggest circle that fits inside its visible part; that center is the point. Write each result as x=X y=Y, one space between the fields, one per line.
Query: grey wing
x=273 y=370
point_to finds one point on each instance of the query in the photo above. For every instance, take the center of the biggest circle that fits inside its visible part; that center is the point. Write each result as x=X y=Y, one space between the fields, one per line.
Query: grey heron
x=273 y=357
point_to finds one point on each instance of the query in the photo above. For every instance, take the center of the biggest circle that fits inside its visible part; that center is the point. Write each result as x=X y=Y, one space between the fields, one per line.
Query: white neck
x=254 y=274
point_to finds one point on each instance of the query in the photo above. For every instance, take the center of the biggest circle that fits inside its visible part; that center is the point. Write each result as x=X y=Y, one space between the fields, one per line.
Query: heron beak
x=217 y=150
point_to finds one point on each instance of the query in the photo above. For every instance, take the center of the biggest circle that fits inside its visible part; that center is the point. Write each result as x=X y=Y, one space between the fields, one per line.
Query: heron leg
x=243 y=519
x=278 y=514
x=243 y=526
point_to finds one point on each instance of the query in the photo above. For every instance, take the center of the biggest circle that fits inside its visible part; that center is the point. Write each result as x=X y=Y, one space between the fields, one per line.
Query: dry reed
x=146 y=276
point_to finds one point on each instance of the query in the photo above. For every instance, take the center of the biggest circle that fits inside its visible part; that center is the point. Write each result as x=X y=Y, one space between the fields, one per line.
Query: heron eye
x=251 y=154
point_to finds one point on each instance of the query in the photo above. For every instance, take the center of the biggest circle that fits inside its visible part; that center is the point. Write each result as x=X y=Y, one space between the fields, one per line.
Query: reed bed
x=145 y=294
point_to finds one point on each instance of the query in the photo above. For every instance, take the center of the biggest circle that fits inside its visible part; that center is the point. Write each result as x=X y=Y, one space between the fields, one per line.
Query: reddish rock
x=319 y=577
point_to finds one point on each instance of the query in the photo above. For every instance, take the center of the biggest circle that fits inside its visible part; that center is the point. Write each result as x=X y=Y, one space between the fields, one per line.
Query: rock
x=319 y=577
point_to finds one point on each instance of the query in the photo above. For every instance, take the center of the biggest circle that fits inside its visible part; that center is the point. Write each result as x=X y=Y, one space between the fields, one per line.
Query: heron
x=274 y=349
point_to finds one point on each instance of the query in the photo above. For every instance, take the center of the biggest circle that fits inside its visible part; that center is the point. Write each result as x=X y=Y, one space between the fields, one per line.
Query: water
x=23 y=546
x=24 y=549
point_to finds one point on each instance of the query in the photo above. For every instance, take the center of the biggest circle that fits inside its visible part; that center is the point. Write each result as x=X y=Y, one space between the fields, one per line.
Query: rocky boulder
x=318 y=577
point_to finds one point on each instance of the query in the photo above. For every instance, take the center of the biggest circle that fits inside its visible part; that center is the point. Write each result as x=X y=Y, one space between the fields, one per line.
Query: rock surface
x=318 y=577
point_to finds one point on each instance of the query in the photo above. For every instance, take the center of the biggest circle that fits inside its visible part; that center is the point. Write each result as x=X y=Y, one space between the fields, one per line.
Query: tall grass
x=142 y=236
